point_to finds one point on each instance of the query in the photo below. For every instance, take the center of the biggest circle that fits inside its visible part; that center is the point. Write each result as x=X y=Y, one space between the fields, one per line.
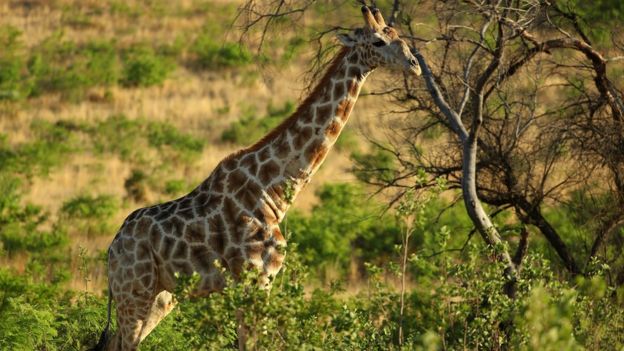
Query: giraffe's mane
x=304 y=107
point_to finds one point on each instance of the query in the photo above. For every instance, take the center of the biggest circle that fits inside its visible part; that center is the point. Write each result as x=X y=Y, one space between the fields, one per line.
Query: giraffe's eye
x=379 y=43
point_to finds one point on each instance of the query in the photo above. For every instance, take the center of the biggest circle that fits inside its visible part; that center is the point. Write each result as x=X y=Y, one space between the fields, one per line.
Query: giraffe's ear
x=346 y=40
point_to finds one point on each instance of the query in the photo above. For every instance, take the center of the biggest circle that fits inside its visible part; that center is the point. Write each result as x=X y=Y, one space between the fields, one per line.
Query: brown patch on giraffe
x=214 y=201
x=154 y=237
x=264 y=154
x=187 y=202
x=277 y=234
x=230 y=163
x=268 y=172
x=181 y=250
x=128 y=274
x=142 y=227
x=315 y=152
x=323 y=112
x=162 y=215
x=249 y=195
x=143 y=251
x=344 y=109
x=146 y=280
x=216 y=225
x=355 y=71
x=167 y=247
x=276 y=192
x=231 y=211
x=254 y=250
x=282 y=150
x=202 y=258
x=235 y=260
x=142 y=268
x=274 y=260
x=333 y=129
x=200 y=200
x=339 y=90
x=354 y=88
x=177 y=226
x=128 y=227
x=264 y=214
x=128 y=244
x=306 y=116
x=152 y=211
x=302 y=137
x=195 y=232
x=249 y=162
x=113 y=265
x=216 y=242
x=187 y=214
x=391 y=33
x=236 y=180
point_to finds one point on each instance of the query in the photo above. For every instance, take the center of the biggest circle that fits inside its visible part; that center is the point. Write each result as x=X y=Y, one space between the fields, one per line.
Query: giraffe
x=232 y=217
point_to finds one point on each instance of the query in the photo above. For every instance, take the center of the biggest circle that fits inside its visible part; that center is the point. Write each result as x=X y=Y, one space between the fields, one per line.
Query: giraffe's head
x=380 y=45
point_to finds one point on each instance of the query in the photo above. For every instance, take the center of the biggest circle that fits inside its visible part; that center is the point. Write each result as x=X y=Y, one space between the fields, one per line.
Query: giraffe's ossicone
x=233 y=216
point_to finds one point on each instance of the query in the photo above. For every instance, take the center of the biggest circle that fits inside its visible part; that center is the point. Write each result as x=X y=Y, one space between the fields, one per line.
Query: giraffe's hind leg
x=133 y=285
x=162 y=305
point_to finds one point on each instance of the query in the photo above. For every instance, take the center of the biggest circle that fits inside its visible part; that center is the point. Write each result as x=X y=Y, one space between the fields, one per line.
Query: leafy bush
x=215 y=55
x=250 y=128
x=14 y=83
x=20 y=224
x=343 y=226
x=135 y=185
x=176 y=187
x=143 y=67
x=164 y=134
x=58 y=65
x=91 y=213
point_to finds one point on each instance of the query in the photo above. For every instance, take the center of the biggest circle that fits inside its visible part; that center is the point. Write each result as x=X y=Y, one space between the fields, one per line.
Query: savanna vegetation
x=478 y=207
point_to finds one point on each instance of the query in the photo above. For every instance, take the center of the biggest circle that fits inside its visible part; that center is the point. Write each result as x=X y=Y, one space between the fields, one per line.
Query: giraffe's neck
x=289 y=155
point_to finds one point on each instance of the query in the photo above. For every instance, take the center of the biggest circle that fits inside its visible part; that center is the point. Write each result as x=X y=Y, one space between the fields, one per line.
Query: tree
x=530 y=96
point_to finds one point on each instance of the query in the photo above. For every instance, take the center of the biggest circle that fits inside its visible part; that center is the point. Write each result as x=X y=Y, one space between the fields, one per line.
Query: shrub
x=343 y=226
x=20 y=224
x=250 y=128
x=143 y=67
x=58 y=65
x=214 y=55
x=91 y=213
x=176 y=187
x=164 y=134
x=14 y=83
x=135 y=186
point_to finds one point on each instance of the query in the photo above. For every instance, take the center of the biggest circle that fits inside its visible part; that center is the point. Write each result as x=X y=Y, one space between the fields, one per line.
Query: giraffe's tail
x=101 y=345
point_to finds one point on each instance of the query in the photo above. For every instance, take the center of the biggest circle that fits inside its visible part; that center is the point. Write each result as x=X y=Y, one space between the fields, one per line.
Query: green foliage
x=163 y=134
x=143 y=67
x=20 y=225
x=176 y=186
x=344 y=225
x=52 y=144
x=135 y=185
x=250 y=128
x=24 y=326
x=14 y=82
x=91 y=214
x=597 y=18
x=374 y=167
x=214 y=55
x=59 y=65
